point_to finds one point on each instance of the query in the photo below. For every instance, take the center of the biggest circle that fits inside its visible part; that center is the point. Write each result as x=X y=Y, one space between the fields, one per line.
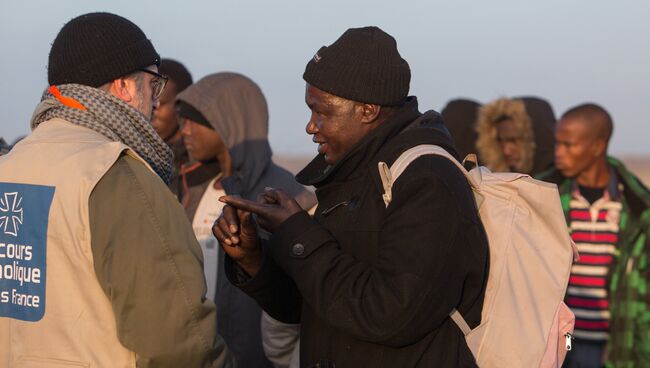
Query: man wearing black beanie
x=104 y=269
x=374 y=275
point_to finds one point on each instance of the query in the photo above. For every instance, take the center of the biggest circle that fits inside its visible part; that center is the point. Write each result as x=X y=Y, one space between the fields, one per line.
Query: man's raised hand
x=236 y=232
x=273 y=207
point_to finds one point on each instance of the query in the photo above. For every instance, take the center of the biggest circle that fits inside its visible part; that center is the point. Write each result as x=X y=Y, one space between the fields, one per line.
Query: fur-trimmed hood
x=488 y=145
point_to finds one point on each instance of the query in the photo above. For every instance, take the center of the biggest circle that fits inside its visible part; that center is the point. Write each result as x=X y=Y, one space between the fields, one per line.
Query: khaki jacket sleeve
x=150 y=266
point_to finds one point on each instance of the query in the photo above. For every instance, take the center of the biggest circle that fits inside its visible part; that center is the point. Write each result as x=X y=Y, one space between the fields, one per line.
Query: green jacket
x=148 y=261
x=629 y=344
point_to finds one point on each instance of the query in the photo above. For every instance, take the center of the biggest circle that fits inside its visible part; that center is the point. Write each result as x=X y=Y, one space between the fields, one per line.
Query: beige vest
x=77 y=328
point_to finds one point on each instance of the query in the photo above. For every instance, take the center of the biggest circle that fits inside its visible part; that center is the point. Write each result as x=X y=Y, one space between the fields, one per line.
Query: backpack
x=524 y=321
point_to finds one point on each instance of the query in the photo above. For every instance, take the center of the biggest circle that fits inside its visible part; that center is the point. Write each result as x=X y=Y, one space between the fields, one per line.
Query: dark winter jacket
x=372 y=285
x=543 y=119
x=460 y=118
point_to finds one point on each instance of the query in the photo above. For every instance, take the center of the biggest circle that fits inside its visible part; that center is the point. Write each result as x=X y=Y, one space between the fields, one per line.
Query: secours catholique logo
x=24 y=214
x=11 y=213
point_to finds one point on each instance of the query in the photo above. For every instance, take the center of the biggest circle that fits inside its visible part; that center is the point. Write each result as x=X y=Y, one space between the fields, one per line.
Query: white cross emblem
x=11 y=213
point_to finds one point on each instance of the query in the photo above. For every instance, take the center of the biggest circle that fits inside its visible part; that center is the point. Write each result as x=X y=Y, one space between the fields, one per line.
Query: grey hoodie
x=236 y=108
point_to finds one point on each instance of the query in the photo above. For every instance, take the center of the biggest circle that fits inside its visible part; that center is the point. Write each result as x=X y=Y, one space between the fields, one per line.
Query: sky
x=567 y=52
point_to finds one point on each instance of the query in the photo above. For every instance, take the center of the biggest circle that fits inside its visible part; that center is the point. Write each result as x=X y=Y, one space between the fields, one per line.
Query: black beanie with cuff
x=96 y=48
x=362 y=65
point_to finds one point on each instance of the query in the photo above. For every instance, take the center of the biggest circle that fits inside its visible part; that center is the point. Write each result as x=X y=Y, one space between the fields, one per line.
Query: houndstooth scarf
x=112 y=118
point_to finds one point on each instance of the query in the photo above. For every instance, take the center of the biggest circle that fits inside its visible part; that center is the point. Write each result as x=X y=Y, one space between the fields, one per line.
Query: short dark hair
x=176 y=72
x=596 y=116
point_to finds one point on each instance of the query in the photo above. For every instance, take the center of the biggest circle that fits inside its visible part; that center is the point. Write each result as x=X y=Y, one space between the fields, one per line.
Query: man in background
x=459 y=116
x=608 y=213
x=506 y=140
x=224 y=123
x=164 y=118
x=4 y=147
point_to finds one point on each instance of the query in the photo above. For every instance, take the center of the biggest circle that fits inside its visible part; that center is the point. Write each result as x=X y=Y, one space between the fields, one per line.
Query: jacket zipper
x=332 y=208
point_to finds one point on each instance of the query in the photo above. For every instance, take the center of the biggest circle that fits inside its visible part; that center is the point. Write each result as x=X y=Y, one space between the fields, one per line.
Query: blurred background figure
x=607 y=209
x=506 y=140
x=460 y=117
x=516 y=134
x=20 y=138
x=543 y=119
x=4 y=147
x=164 y=118
x=224 y=124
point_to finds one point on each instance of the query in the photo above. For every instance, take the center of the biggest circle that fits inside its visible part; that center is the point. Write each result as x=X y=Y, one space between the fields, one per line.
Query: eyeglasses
x=158 y=82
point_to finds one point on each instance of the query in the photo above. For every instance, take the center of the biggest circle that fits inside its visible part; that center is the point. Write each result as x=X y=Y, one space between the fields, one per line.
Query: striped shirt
x=594 y=229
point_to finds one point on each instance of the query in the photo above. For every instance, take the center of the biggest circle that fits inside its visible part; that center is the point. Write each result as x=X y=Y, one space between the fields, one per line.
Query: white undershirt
x=206 y=213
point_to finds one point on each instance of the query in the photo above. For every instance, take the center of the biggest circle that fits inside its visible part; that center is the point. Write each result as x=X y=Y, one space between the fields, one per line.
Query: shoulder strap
x=460 y=321
x=389 y=175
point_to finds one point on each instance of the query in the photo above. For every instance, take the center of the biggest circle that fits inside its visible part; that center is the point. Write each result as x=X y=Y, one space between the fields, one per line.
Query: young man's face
x=164 y=119
x=334 y=123
x=202 y=143
x=576 y=147
x=511 y=142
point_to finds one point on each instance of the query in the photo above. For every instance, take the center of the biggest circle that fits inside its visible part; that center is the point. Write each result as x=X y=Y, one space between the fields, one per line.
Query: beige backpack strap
x=460 y=321
x=389 y=175
x=386 y=181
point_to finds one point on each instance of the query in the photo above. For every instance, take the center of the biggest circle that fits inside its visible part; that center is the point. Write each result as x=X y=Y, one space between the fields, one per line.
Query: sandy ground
x=639 y=165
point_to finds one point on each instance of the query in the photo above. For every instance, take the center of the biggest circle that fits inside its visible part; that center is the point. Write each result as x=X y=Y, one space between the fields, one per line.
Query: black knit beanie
x=96 y=48
x=362 y=65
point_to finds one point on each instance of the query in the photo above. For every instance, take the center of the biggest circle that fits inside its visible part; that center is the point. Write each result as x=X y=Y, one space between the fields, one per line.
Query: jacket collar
x=635 y=194
x=614 y=188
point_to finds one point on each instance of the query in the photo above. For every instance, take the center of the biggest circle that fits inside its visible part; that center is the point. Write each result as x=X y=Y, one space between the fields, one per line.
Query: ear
x=123 y=88
x=368 y=112
x=600 y=147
